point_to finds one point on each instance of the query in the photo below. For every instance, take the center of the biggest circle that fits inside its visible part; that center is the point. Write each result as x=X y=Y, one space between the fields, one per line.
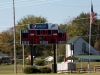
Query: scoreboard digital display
x=43 y=32
x=43 y=37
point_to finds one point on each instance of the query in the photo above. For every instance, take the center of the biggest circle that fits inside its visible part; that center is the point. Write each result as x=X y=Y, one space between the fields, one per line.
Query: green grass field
x=9 y=69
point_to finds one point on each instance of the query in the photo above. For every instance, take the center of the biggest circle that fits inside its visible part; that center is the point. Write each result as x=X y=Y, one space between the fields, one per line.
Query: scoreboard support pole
x=55 y=64
x=31 y=47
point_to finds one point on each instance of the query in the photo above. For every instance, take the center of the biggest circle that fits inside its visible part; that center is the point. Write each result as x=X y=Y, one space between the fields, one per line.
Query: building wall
x=78 y=47
x=69 y=52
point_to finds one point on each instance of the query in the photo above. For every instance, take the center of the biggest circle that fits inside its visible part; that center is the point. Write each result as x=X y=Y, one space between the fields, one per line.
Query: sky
x=55 y=11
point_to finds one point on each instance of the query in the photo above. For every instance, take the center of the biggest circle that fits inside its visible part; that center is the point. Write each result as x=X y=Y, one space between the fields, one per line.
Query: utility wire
x=53 y=21
x=27 y=3
x=72 y=6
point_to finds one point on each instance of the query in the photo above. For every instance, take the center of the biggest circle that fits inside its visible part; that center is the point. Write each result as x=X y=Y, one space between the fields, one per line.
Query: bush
x=19 y=61
x=60 y=58
x=40 y=62
x=45 y=70
x=28 y=62
x=30 y=70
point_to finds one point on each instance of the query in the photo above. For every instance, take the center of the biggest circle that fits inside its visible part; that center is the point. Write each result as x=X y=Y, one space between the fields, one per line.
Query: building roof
x=73 y=39
x=93 y=57
x=1 y=52
x=3 y=55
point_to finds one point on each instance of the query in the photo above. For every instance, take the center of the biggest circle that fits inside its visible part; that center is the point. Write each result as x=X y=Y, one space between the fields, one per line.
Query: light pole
x=23 y=57
x=14 y=29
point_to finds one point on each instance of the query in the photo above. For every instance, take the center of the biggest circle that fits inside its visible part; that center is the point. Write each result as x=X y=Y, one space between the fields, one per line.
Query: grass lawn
x=85 y=64
x=9 y=69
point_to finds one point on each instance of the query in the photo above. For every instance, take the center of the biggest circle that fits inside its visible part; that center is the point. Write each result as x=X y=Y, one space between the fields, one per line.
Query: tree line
x=79 y=26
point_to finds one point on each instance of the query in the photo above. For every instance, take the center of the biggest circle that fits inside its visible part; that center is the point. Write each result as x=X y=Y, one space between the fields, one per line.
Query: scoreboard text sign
x=43 y=37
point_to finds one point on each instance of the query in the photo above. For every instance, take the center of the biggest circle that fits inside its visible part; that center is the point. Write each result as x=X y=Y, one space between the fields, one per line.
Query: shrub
x=27 y=62
x=42 y=57
x=40 y=62
x=30 y=70
x=45 y=70
x=19 y=61
x=60 y=58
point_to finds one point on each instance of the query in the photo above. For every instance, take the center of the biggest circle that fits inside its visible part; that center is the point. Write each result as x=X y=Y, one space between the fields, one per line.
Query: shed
x=77 y=45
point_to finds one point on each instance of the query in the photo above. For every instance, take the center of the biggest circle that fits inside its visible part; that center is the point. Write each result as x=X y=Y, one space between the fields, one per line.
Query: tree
x=6 y=40
x=63 y=26
x=80 y=26
x=97 y=45
x=83 y=20
x=6 y=37
x=23 y=24
x=74 y=30
x=61 y=50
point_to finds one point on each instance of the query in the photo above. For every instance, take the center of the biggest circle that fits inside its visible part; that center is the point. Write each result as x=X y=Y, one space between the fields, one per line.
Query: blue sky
x=56 y=11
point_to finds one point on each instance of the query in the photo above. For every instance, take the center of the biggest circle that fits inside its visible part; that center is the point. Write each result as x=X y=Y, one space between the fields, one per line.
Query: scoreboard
x=43 y=34
x=43 y=37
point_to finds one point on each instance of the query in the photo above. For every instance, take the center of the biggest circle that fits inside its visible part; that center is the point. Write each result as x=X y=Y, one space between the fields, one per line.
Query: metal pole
x=89 y=44
x=81 y=62
x=23 y=57
x=15 y=65
x=55 y=65
x=56 y=53
x=89 y=48
x=31 y=47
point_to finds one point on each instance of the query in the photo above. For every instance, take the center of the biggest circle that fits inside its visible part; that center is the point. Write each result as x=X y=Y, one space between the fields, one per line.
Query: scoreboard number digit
x=53 y=41
x=43 y=32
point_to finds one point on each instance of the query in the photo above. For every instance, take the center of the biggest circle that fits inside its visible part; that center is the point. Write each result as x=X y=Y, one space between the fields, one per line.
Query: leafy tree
x=74 y=30
x=63 y=26
x=6 y=37
x=80 y=26
x=61 y=51
x=83 y=20
x=23 y=24
x=6 y=40
x=97 y=45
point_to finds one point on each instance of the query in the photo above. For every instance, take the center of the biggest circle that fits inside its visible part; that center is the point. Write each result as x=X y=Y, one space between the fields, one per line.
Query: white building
x=77 y=46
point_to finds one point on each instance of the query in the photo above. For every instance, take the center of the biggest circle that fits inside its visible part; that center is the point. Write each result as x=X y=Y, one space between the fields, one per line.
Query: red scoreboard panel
x=43 y=37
